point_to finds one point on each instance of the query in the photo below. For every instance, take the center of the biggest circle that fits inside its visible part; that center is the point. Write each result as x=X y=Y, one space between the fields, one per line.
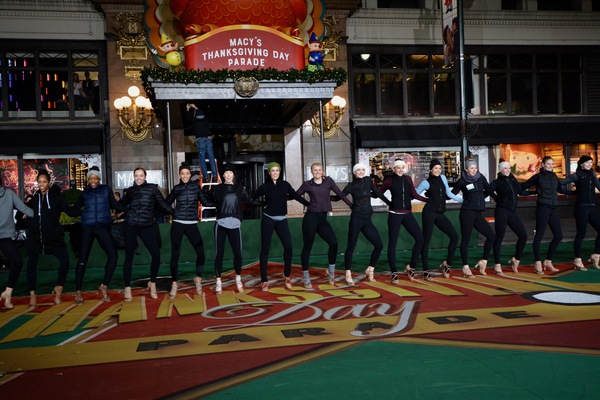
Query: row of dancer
x=142 y=198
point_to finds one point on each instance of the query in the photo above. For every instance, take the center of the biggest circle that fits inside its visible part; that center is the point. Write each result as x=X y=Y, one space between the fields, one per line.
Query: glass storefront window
x=21 y=93
x=547 y=93
x=526 y=159
x=364 y=90
x=444 y=97
x=391 y=94
x=381 y=160
x=417 y=88
x=20 y=59
x=393 y=61
x=521 y=92
x=53 y=93
x=39 y=83
x=417 y=61
x=571 y=93
x=364 y=60
x=496 y=90
x=53 y=59
x=584 y=149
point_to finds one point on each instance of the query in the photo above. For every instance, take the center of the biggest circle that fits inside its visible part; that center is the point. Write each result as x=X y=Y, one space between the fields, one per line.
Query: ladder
x=202 y=185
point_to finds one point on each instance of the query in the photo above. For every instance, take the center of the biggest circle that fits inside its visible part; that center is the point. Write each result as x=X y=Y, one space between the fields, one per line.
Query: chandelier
x=135 y=115
x=333 y=112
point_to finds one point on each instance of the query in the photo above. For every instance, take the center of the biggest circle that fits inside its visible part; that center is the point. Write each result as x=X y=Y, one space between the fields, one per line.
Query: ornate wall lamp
x=332 y=117
x=140 y=124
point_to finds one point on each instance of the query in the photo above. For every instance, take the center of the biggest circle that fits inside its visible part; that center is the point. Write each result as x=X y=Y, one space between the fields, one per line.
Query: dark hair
x=185 y=165
x=140 y=169
x=546 y=158
x=43 y=172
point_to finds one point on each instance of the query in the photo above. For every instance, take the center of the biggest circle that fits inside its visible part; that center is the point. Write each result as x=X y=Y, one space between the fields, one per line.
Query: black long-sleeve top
x=277 y=195
x=362 y=189
x=403 y=191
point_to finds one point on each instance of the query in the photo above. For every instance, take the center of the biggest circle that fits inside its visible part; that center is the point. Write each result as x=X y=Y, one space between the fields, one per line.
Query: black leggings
x=583 y=215
x=504 y=218
x=267 y=226
x=9 y=249
x=470 y=219
x=358 y=224
x=106 y=242
x=60 y=252
x=316 y=222
x=429 y=219
x=193 y=234
x=235 y=240
x=545 y=216
x=148 y=236
x=412 y=227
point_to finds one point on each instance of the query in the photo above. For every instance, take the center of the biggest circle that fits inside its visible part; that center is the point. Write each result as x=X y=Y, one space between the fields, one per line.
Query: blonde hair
x=317 y=164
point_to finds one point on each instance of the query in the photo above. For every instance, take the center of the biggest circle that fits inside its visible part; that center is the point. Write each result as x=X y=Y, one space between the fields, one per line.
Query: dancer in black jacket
x=228 y=198
x=46 y=235
x=276 y=192
x=547 y=186
x=585 y=209
x=186 y=195
x=362 y=189
x=143 y=199
x=403 y=191
x=433 y=214
x=475 y=188
x=507 y=190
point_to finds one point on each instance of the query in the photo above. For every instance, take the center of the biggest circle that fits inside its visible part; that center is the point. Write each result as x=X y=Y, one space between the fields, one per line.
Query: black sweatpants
x=8 y=247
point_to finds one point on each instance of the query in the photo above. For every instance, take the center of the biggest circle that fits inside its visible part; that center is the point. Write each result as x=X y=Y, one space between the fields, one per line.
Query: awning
x=390 y=132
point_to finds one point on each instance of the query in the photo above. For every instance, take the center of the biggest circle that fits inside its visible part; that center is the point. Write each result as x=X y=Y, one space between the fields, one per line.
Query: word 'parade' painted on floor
x=283 y=323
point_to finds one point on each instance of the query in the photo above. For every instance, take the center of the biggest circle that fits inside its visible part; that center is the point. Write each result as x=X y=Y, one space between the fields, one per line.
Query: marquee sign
x=244 y=47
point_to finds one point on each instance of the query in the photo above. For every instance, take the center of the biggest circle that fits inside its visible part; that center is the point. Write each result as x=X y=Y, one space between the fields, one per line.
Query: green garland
x=338 y=75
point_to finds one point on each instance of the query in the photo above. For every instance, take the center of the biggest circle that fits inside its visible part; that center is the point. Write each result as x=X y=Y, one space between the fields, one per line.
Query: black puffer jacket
x=142 y=202
x=45 y=232
x=186 y=195
x=507 y=189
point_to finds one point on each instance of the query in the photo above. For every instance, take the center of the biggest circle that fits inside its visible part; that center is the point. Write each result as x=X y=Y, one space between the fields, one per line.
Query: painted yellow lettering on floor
x=71 y=319
x=260 y=337
x=37 y=324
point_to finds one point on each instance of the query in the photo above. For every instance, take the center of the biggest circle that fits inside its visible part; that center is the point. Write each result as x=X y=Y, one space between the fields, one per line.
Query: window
x=413 y=83
x=50 y=82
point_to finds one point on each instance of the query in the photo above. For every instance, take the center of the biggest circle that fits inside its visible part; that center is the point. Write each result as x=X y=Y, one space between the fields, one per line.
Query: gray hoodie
x=9 y=201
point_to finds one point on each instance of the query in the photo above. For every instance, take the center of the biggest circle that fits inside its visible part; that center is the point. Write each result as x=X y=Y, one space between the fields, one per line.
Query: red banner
x=244 y=47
